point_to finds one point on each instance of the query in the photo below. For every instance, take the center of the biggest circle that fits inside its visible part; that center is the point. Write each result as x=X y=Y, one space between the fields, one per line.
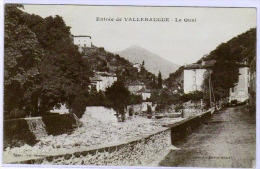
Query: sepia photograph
x=151 y=86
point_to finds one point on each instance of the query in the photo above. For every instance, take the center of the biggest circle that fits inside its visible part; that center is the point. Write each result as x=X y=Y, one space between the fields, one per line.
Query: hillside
x=153 y=63
x=240 y=49
x=101 y=60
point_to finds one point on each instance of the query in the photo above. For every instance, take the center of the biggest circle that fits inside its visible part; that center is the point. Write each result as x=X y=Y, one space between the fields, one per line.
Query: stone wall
x=139 y=151
x=22 y=131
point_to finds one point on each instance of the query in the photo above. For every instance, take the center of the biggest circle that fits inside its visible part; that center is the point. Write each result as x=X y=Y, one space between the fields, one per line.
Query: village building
x=240 y=91
x=138 y=66
x=145 y=93
x=82 y=41
x=135 y=87
x=193 y=78
x=139 y=88
x=252 y=85
x=102 y=80
x=193 y=75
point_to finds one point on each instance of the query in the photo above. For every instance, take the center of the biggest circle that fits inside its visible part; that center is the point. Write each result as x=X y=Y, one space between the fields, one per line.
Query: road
x=226 y=140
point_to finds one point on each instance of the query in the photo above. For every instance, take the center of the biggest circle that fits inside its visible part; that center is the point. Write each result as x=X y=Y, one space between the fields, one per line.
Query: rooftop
x=136 y=83
x=144 y=90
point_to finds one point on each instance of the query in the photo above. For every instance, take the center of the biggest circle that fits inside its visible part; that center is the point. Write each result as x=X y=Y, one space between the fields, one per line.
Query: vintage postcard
x=129 y=86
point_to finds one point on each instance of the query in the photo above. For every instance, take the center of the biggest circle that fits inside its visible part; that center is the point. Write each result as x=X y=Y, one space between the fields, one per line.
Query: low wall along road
x=139 y=151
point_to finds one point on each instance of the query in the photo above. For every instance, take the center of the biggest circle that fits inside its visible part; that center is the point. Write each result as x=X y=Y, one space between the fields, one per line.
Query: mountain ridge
x=153 y=63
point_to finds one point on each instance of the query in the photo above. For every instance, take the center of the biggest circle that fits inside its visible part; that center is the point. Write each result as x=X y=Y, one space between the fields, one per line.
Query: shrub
x=131 y=111
x=59 y=124
x=17 y=133
x=149 y=110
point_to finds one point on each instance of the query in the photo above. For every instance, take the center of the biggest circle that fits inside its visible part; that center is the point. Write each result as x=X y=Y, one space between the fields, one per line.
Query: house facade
x=135 y=87
x=240 y=91
x=102 y=80
x=139 y=88
x=193 y=79
x=145 y=93
x=138 y=66
x=252 y=85
x=82 y=41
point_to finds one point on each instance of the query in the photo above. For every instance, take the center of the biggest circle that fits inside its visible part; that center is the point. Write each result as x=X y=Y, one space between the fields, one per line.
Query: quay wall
x=26 y=130
x=139 y=151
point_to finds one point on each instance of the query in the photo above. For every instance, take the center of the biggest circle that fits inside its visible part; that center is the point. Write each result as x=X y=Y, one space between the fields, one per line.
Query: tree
x=193 y=96
x=143 y=63
x=225 y=72
x=22 y=54
x=159 y=80
x=43 y=67
x=118 y=95
x=164 y=98
x=154 y=82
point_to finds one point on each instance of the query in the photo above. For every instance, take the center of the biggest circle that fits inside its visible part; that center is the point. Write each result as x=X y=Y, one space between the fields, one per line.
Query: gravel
x=93 y=132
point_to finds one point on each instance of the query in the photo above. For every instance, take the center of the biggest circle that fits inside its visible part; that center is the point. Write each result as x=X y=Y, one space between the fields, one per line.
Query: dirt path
x=226 y=140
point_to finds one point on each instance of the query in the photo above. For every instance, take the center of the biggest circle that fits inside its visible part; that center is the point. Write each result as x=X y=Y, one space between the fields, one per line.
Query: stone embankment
x=138 y=151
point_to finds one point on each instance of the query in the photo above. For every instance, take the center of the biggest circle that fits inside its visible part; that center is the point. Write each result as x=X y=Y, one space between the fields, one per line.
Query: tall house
x=240 y=91
x=102 y=80
x=82 y=41
x=194 y=74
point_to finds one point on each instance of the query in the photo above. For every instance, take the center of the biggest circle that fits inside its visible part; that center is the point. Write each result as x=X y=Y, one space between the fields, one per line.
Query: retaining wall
x=136 y=152
x=180 y=129
x=17 y=132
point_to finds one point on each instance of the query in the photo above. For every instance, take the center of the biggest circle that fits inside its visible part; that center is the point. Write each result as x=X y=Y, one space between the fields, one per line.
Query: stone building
x=102 y=80
x=240 y=91
x=194 y=74
x=135 y=87
x=138 y=66
x=82 y=41
x=145 y=93
x=252 y=85
x=193 y=77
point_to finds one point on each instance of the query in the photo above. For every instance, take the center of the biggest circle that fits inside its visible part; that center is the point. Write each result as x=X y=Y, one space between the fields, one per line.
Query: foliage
x=159 y=80
x=149 y=110
x=59 y=124
x=164 y=98
x=131 y=111
x=118 y=95
x=178 y=107
x=43 y=67
x=175 y=80
x=16 y=133
x=101 y=60
x=228 y=56
x=194 y=96
x=135 y=99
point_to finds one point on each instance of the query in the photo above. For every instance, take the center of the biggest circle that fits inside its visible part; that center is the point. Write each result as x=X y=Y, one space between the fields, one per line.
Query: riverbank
x=94 y=132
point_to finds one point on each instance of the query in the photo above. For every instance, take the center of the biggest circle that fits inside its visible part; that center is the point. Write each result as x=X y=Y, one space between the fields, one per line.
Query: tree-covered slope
x=238 y=51
x=42 y=66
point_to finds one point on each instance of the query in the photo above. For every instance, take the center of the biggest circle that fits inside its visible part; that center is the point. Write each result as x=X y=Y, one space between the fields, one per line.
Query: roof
x=95 y=78
x=136 y=83
x=107 y=74
x=144 y=90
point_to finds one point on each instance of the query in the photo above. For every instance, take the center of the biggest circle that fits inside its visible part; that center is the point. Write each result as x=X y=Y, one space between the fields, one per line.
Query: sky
x=178 y=42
